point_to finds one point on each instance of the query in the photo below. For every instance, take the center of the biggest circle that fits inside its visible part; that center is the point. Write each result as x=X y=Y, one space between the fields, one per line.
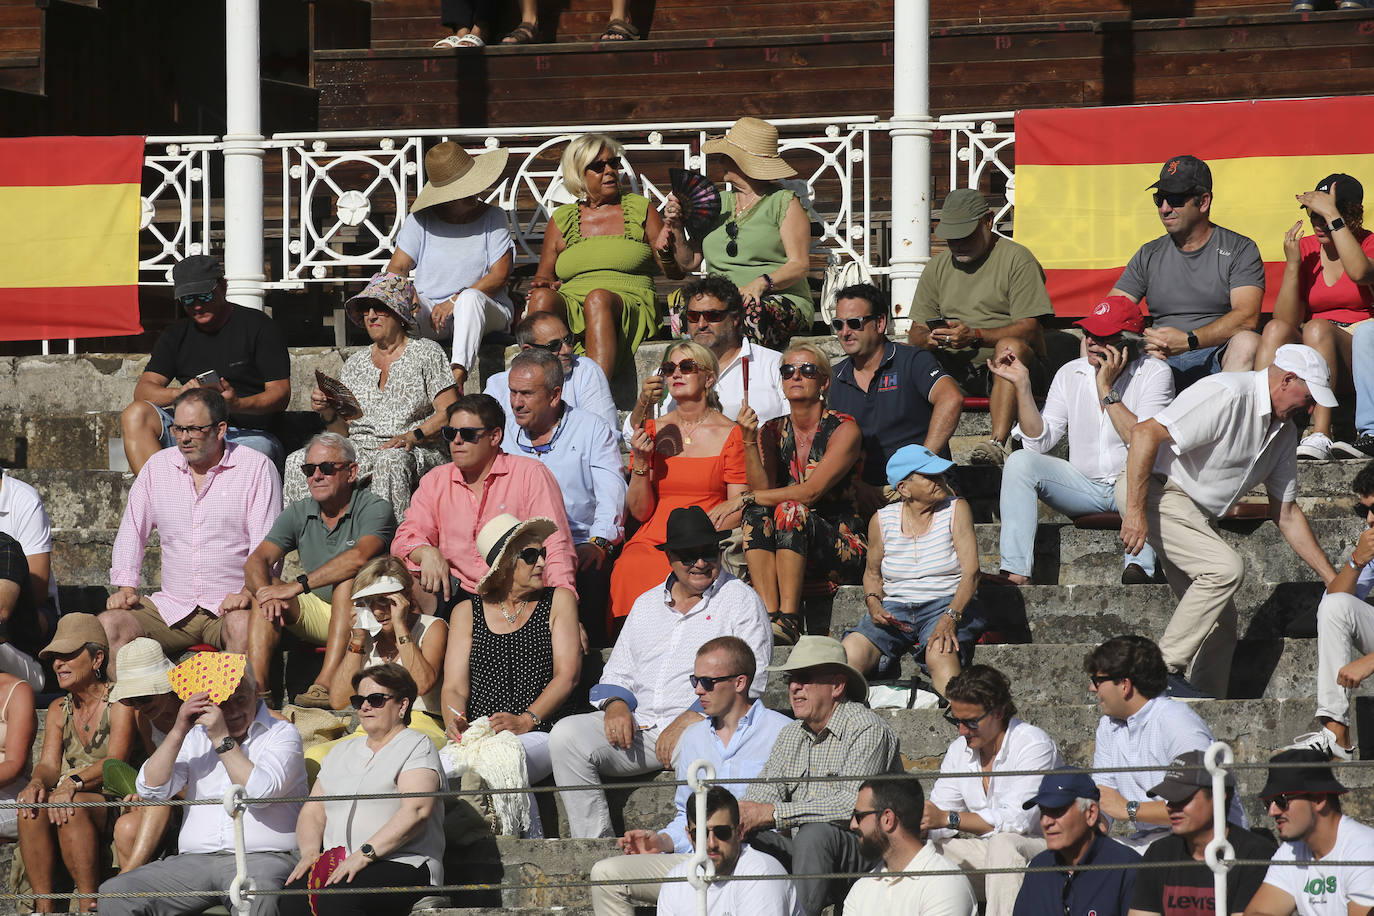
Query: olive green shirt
x=1006 y=286
x=300 y=528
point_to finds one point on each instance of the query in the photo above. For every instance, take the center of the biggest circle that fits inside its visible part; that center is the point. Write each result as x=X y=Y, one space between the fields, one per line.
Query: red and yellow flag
x=69 y=237
x=1081 y=177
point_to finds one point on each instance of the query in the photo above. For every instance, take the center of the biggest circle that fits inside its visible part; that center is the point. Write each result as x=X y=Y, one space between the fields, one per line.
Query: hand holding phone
x=208 y=379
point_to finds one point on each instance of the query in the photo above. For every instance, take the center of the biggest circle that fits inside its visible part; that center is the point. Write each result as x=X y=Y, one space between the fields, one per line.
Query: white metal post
x=911 y=132
x=1219 y=853
x=243 y=153
x=700 y=868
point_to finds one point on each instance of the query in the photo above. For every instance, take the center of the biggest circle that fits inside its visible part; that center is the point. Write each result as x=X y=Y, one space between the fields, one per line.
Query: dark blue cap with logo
x=1061 y=787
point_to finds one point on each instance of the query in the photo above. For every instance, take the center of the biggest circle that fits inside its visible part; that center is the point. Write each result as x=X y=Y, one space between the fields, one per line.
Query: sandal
x=526 y=33
x=471 y=40
x=786 y=628
x=620 y=30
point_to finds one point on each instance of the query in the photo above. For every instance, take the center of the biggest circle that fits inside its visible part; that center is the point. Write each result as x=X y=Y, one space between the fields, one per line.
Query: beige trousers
x=621 y=899
x=996 y=850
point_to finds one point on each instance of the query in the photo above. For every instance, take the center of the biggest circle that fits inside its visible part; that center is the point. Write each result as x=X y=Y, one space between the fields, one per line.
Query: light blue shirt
x=585 y=388
x=584 y=457
x=745 y=756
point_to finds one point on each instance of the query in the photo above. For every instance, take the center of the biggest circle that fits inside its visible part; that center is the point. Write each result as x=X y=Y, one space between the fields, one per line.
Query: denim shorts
x=257 y=439
x=923 y=616
x=1195 y=365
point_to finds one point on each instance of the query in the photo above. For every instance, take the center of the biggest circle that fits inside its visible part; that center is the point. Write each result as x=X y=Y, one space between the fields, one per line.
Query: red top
x=1343 y=300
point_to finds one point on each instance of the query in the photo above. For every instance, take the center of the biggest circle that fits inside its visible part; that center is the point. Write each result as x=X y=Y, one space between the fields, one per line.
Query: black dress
x=508 y=671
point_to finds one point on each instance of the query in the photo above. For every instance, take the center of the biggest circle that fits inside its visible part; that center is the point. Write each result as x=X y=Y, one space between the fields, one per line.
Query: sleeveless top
x=5 y=719
x=429 y=702
x=758 y=246
x=78 y=754
x=839 y=501
x=922 y=568
x=620 y=260
x=508 y=671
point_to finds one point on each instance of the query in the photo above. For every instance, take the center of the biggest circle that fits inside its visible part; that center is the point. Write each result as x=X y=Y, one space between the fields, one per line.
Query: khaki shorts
x=313 y=623
x=200 y=627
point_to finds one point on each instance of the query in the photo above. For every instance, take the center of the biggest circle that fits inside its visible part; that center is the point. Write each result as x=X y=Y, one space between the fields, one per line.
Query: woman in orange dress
x=691 y=456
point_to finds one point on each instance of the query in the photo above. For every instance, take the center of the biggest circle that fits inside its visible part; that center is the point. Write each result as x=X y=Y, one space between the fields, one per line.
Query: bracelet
x=402 y=641
x=358 y=650
x=978 y=336
x=769 y=281
x=873 y=595
x=534 y=716
x=1351 y=561
x=639 y=472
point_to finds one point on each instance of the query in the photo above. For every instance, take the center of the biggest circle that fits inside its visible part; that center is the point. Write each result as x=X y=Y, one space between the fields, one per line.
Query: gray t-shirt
x=1187 y=290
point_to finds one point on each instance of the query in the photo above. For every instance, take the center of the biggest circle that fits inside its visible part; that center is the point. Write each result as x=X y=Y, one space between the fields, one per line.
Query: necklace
x=511 y=618
x=687 y=431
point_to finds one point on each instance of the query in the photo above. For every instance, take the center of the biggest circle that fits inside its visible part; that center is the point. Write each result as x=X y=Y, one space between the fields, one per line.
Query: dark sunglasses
x=1115 y=341
x=807 y=370
x=714 y=316
x=375 y=700
x=198 y=297
x=691 y=555
x=328 y=468
x=853 y=324
x=532 y=555
x=1283 y=801
x=970 y=724
x=468 y=434
x=858 y=816
x=722 y=832
x=599 y=165
x=1100 y=679
x=709 y=683
x=1361 y=511
x=686 y=367
x=553 y=346
x=1174 y=200
x=732 y=246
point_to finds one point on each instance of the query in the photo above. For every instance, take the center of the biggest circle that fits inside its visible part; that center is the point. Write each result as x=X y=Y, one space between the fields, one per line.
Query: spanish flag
x=1082 y=204
x=69 y=237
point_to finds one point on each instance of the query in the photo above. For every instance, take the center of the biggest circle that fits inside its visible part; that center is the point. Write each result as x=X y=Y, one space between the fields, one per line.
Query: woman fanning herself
x=1326 y=297
x=800 y=520
x=691 y=456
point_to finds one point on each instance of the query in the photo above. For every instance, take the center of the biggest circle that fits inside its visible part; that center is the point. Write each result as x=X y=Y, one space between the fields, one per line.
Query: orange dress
x=679 y=481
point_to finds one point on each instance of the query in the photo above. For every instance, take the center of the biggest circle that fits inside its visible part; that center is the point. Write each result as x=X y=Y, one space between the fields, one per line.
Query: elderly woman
x=921 y=575
x=81 y=732
x=596 y=267
x=800 y=516
x=387 y=842
x=761 y=240
x=691 y=456
x=17 y=727
x=144 y=688
x=404 y=389
x=513 y=651
x=1325 y=301
x=461 y=251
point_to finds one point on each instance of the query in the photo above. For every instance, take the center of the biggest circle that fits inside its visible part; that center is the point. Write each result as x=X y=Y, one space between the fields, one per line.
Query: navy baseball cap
x=1061 y=787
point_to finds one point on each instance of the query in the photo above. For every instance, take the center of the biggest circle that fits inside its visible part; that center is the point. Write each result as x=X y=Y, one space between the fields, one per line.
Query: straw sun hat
x=496 y=536
x=453 y=174
x=753 y=144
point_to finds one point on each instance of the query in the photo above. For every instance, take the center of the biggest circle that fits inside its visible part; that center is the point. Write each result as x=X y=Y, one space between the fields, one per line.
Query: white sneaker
x=1316 y=447
x=1321 y=740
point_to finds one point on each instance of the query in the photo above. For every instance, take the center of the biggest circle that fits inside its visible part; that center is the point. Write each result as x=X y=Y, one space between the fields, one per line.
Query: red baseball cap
x=1112 y=316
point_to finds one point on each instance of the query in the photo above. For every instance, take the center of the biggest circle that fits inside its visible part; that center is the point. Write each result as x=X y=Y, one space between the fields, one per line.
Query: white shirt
x=1024 y=747
x=733 y=898
x=921 y=895
x=585 y=388
x=274 y=747
x=657 y=649
x=23 y=518
x=765 y=386
x=1327 y=890
x=1096 y=449
x=1226 y=440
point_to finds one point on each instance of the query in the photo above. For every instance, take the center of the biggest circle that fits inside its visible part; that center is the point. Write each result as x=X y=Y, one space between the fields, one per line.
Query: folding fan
x=324 y=866
x=215 y=673
x=699 y=198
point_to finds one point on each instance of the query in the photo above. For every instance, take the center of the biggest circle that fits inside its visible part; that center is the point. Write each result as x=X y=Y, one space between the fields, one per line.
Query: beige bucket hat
x=142 y=668
x=453 y=174
x=753 y=144
x=825 y=651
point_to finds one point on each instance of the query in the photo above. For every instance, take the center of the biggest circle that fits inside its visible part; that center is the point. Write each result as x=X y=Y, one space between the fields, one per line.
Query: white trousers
x=582 y=755
x=996 y=850
x=1345 y=625
x=475 y=314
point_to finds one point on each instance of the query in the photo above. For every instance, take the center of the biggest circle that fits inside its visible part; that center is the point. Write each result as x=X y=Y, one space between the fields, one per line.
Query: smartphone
x=937 y=323
x=208 y=379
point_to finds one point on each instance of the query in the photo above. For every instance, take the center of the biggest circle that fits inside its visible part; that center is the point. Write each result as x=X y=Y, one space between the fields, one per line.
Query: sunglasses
x=189 y=301
x=196 y=431
x=691 y=556
x=1100 y=679
x=714 y=316
x=686 y=367
x=1174 y=200
x=732 y=246
x=858 y=816
x=709 y=683
x=970 y=724
x=853 y=324
x=375 y=700
x=722 y=832
x=1115 y=341
x=468 y=434
x=600 y=165
x=532 y=555
x=807 y=370
x=558 y=343
x=1283 y=801
x=328 y=468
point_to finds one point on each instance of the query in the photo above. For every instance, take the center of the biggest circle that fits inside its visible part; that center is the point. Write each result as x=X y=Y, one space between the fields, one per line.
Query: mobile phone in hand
x=208 y=379
x=937 y=323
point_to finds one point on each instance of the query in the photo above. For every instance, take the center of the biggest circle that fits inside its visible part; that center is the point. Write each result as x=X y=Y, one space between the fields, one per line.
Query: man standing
x=584 y=389
x=212 y=502
x=209 y=749
x=1224 y=435
x=1305 y=803
x=835 y=733
x=1069 y=819
x=729 y=855
x=583 y=453
x=1203 y=282
x=335 y=531
x=645 y=698
x=736 y=737
x=886 y=816
x=977 y=301
x=898 y=394
x=1188 y=887
x=1097 y=400
x=234 y=350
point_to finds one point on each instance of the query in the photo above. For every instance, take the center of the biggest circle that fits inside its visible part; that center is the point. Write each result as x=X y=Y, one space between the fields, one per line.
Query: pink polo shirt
x=206 y=536
x=445 y=513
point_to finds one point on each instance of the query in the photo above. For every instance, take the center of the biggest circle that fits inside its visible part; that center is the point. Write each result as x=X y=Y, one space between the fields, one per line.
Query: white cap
x=1308 y=365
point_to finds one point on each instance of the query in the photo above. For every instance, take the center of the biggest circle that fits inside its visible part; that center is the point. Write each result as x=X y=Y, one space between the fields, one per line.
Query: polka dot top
x=508 y=671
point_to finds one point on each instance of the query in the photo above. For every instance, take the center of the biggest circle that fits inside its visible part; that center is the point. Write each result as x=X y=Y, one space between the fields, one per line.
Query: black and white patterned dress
x=508 y=671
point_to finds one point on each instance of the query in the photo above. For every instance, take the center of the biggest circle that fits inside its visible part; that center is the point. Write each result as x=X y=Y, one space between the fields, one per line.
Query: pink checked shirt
x=444 y=513
x=206 y=536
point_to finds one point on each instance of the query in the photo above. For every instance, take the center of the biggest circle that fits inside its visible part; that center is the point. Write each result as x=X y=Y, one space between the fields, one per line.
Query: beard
x=872 y=846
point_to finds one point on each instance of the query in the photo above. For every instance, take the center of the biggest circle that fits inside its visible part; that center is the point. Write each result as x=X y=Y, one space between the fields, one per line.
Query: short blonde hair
x=579 y=154
x=706 y=360
x=817 y=356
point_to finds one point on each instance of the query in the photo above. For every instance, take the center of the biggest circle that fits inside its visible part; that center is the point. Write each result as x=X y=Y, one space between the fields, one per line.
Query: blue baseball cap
x=1061 y=787
x=913 y=459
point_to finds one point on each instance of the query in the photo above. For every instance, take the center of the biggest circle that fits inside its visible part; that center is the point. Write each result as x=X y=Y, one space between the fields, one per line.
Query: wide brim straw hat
x=753 y=144
x=142 y=668
x=393 y=292
x=452 y=174
x=496 y=537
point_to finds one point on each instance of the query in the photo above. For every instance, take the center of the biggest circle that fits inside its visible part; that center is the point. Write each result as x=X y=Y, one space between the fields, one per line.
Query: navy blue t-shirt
x=1090 y=893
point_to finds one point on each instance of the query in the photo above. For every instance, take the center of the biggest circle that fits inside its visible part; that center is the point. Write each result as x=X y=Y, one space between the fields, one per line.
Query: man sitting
x=835 y=732
x=21 y=631
x=584 y=389
x=335 y=531
x=231 y=349
x=736 y=737
x=209 y=749
x=23 y=517
x=212 y=502
x=645 y=700
x=729 y=855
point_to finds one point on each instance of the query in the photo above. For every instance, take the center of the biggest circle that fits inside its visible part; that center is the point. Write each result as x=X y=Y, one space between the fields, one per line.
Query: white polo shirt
x=23 y=518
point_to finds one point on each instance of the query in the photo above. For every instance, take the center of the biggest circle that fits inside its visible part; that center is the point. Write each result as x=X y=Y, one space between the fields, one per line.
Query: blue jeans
x=257 y=439
x=1028 y=477
x=1195 y=365
x=1362 y=368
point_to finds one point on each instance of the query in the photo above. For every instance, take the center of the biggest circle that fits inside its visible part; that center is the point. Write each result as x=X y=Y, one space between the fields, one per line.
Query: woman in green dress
x=596 y=267
x=761 y=240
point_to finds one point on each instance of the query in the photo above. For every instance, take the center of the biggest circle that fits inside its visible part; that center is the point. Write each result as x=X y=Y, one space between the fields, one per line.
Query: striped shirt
x=922 y=568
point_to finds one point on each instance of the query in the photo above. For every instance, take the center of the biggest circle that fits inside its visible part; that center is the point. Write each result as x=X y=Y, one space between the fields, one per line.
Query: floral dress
x=830 y=534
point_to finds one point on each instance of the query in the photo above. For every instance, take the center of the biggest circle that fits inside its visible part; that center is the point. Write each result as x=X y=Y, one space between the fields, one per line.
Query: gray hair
x=525 y=328
x=335 y=443
x=538 y=356
x=1085 y=803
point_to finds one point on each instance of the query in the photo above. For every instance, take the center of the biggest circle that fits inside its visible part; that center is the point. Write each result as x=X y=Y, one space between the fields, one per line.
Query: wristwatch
x=227 y=745
x=953 y=819
x=534 y=716
x=367 y=851
x=600 y=543
x=746 y=498
x=304 y=580
x=1193 y=343
x=1132 y=807
x=1335 y=224
x=76 y=780
x=1112 y=397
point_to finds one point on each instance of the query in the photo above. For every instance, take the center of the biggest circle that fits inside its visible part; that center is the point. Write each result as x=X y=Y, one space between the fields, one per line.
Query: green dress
x=622 y=264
